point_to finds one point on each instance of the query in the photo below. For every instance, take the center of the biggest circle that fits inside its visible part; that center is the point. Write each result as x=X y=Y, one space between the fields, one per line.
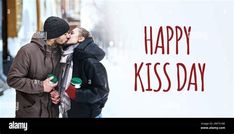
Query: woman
x=88 y=100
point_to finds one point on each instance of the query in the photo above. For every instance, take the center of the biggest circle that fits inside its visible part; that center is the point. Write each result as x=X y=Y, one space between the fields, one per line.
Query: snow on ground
x=7 y=104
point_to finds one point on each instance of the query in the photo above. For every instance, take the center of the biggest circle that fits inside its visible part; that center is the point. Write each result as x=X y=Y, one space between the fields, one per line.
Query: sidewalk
x=7 y=101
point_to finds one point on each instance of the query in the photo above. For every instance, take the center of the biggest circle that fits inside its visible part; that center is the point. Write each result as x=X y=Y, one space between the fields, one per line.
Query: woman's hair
x=83 y=32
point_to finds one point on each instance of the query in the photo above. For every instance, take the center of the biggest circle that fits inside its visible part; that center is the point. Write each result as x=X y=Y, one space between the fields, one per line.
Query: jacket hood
x=88 y=49
x=39 y=39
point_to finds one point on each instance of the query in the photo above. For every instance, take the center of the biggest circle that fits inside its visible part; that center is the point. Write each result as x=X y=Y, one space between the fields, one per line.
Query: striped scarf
x=65 y=79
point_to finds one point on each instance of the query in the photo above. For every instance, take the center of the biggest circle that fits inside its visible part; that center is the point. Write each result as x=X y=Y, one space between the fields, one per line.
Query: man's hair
x=83 y=32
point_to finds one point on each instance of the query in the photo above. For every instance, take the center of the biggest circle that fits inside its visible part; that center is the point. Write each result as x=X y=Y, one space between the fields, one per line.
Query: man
x=88 y=100
x=31 y=66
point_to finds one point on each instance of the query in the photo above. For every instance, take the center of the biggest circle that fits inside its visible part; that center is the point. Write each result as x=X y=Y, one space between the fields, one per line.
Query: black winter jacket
x=93 y=94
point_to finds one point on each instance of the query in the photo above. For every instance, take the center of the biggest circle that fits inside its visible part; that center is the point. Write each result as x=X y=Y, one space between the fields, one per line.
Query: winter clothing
x=30 y=68
x=75 y=84
x=65 y=79
x=55 y=27
x=93 y=94
x=71 y=91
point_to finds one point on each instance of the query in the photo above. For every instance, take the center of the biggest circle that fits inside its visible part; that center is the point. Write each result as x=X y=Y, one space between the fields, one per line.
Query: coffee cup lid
x=54 y=80
x=76 y=80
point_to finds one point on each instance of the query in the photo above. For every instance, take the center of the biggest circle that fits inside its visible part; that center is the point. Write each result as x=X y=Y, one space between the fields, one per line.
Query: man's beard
x=65 y=46
x=69 y=44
